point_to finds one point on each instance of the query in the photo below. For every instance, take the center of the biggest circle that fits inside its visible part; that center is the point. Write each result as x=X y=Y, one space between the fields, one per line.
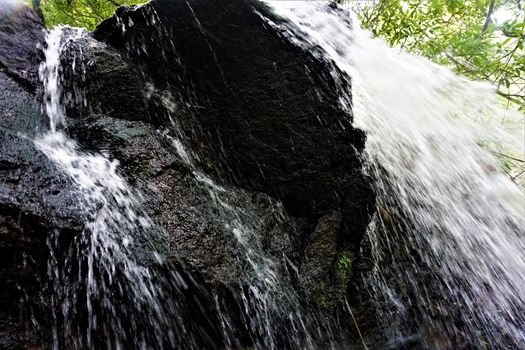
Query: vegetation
x=467 y=35
x=482 y=39
x=344 y=262
x=78 y=13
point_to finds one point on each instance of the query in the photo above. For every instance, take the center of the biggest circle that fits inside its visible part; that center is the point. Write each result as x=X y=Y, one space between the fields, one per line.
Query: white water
x=116 y=230
x=464 y=217
x=453 y=209
x=49 y=74
x=135 y=302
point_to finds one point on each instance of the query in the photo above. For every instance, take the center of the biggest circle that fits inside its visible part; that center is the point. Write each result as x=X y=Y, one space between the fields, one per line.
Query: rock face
x=243 y=89
x=261 y=119
x=20 y=33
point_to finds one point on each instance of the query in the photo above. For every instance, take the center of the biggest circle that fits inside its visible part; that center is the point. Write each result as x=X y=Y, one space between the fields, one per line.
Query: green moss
x=80 y=13
x=344 y=261
x=343 y=265
x=322 y=301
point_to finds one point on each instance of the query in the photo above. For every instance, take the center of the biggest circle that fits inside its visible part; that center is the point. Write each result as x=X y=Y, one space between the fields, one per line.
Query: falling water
x=110 y=265
x=270 y=306
x=448 y=239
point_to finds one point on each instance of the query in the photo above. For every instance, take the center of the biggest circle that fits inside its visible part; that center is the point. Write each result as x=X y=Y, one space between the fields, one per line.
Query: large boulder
x=268 y=111
x=262 y=121
x=258 y=112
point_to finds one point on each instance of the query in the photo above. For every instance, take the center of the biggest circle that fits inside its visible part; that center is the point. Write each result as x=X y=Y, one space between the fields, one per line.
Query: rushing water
x=106 y=270
x=448 y=239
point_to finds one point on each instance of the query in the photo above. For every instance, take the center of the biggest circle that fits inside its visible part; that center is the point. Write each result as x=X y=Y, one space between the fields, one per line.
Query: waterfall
x=109 y=270
x=448 y=239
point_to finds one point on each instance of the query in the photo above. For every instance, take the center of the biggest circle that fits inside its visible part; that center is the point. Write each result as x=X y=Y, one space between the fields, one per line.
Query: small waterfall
x=110 y=268
x=50 y=76
x=448 y=239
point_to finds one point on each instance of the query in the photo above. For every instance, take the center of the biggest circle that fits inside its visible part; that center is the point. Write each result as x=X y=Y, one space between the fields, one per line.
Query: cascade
x=110 y=266
x=121 y=250
x=446 y=240
x=448 y=237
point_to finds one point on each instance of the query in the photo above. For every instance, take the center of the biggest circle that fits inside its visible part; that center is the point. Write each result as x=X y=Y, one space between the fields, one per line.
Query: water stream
x=109 y=267
x=448 y=240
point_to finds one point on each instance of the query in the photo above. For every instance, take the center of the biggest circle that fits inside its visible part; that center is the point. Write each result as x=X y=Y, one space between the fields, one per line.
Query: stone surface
x=261 y=116
x=21 y=34
x=269 y=112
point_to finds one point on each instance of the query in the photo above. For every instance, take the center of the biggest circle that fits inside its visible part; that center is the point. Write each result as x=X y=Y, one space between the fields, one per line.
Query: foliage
x=344 y=261
x=466 y=35
x=78 y=13
x=481 y=39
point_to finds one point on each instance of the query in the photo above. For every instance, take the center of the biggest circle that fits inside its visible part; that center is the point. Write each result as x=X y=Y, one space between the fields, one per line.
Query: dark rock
x=260 y=112
x=36 y=201
x=21 y=34
x=263 y=119
x=181 y=205
x=98 y=74
x=319 y=259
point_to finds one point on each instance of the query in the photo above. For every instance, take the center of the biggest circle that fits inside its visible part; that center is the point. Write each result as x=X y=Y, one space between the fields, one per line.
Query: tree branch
x=115 y=3
x=487 y=19
x=507 y=156
x=510 y=98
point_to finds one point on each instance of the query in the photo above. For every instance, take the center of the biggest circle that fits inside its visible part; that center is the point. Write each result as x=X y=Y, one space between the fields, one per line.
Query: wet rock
x=319 y=258
x=36 y=201
x=21 y=33
x=262 y=116
x=260 y=112
x=100 y=79
x=181 y=204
